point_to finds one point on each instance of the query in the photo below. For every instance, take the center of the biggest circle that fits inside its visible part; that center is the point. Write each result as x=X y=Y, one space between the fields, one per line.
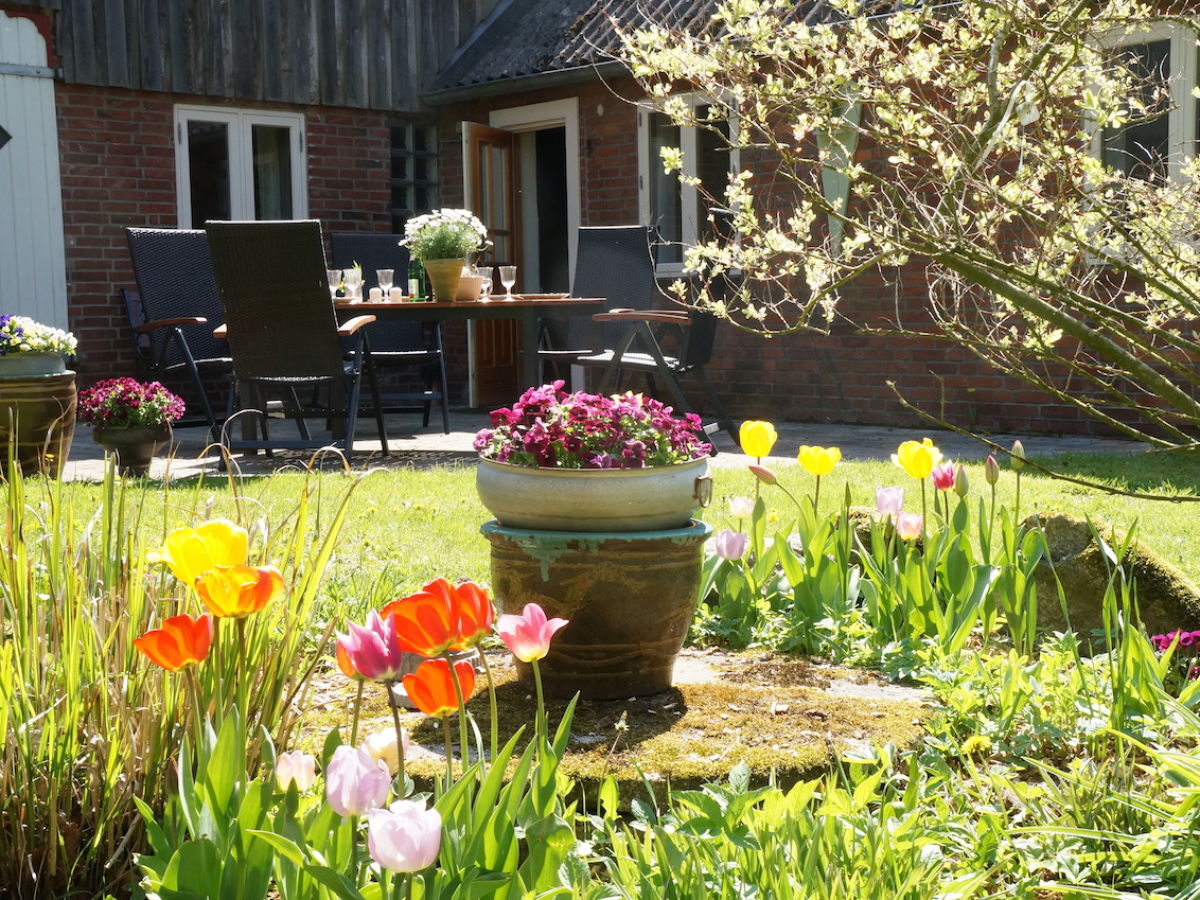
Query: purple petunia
x=120 y=402
x=550 y=427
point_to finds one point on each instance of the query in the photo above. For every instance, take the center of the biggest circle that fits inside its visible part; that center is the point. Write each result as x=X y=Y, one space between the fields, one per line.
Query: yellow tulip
x=191 y=552
x=757 y=438
x=917 y=458
x=819 y=460
x=231 y=592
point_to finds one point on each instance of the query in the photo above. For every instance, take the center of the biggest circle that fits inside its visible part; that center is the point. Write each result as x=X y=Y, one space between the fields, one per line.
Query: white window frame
x=1181 y=119
x=688 y=194
x=241 y=157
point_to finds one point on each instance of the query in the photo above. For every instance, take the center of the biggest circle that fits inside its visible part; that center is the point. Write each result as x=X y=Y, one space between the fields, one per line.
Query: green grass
x=408 y=526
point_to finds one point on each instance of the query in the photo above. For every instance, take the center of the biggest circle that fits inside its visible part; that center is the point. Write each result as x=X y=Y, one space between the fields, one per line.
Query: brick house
x=359 y=120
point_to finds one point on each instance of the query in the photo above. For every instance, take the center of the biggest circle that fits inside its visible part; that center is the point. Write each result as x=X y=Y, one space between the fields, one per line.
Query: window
x=238 y=164
x=1156 y=148
x=414 y=171
x=681 y=210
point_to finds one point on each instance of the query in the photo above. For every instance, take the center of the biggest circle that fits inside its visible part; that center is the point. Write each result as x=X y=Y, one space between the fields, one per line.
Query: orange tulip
x=442 y=616
x=431 y=687
x=181 y=642
x=231 y=592
x=190 y=552
x=470 y=605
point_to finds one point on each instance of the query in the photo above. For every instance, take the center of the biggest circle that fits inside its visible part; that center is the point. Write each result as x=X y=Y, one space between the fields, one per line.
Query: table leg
x=529 y=347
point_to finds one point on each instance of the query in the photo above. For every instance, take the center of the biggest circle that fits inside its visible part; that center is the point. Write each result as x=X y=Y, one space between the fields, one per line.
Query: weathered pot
x=37 y=409
x=628 y=598
x=133 y=445
x=444 y=275
x=613 y=500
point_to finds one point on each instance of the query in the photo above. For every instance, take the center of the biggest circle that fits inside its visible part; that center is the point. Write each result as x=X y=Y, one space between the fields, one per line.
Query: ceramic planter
x=444 y=275
x=133 y=445
x=37 y=409
x=594 y=500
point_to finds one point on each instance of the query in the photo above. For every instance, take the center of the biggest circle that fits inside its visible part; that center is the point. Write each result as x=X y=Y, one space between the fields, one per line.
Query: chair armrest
x=670 y=316
x=147 y=327
x=350 y=326
x=221 y=332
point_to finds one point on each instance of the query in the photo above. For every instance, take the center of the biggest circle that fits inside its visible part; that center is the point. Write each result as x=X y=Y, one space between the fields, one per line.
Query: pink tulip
x=731 y=544
x=763 y=474
x=298 y=767
x=991 y=469
x=943 y=476
x=373 y=650
x=404 y=838
x=889 y=501
x=909 y=526
x=528 y=635
x=356 y=783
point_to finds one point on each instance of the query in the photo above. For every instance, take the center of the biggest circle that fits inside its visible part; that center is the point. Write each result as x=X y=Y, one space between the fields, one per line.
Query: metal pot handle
x=702 y=491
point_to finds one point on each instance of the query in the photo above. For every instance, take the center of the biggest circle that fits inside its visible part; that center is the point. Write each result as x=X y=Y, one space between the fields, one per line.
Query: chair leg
x=443 y=384
x=301 y=422
x=723 y=417
x=351 y=417
x=373 y=377
x=194 y=372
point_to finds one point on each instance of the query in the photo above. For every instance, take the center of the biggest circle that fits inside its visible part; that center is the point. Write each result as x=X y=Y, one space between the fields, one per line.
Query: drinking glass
x=508 y=277
x=385 y=280
x=352 y=281
x=335 y=281
x=485 y=289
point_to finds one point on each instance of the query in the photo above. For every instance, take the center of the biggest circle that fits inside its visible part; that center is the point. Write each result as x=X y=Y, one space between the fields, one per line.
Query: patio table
x=525 y=308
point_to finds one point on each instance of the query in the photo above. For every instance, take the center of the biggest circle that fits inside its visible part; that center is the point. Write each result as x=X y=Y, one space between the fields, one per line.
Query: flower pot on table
x=594 y=500
x=37 y=409
x=444 y=275
x=133 y=445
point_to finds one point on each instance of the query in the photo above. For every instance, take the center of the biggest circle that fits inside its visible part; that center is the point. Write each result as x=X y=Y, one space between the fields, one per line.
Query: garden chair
x=173 y=313
x=616 y=263
x=282 y=331
x=394 y=343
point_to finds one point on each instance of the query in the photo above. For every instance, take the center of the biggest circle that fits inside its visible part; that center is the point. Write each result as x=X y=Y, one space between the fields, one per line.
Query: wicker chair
x=174 y=311
x=396 y=344
x=283 y=332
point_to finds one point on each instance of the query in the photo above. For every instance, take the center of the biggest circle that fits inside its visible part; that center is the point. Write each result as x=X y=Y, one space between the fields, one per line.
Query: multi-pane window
x=679 y=209
x=414 y=171
x=1155 y=145
x=238 y=164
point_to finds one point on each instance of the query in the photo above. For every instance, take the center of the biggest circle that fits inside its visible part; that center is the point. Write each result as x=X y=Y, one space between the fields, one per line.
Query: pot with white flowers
x=130 y=420
x=37 y=393
x=593 y=498
x=444 y=241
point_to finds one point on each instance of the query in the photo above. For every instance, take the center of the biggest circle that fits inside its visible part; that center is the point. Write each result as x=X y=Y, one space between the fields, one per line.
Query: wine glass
x=352 y=281
x=385 y=280
x=508 y=277
x=335 y=281
x=485 y=289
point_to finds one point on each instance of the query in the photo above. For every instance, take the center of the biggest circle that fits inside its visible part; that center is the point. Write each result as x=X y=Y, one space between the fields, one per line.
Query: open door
x=490 y=188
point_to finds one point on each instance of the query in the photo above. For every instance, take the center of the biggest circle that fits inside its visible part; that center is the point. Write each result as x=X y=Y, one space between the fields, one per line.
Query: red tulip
x=181 y=642
x=431 y=687
x=943 y=476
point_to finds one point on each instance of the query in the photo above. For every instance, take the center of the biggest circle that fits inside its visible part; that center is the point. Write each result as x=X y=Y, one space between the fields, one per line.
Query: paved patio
x=412 y=445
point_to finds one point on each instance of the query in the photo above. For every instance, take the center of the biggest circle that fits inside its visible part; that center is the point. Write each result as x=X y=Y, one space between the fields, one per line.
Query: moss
x=768 y=712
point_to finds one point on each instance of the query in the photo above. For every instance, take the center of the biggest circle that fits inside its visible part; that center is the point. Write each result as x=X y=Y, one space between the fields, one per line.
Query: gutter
x=531 y=81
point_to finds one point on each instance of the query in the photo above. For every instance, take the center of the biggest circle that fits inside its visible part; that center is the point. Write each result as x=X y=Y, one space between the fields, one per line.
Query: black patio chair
x=283 y=334
x=394 y=343
x=616 y=263
x=174 y=311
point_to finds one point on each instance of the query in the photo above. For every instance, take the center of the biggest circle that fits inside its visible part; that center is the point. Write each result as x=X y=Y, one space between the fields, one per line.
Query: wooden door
x=32 y=256
x=490 y=176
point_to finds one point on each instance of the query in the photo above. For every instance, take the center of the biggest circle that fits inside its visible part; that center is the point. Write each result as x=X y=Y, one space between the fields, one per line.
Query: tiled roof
x=531 y=37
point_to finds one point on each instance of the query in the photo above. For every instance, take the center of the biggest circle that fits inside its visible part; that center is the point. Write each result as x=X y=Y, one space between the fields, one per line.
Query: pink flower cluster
x=1188 y=640
x=120 y=402
x=549 y=427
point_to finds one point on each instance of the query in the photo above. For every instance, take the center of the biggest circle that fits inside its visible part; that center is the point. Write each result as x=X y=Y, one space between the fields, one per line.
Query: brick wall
x=118 y=170
x=840 y=377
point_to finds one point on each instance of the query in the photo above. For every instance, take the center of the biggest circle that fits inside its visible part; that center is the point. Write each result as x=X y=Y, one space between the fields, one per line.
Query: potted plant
x=130 y=419
x=594 y=499
x=444 y=241
x=584 y=462
x=37 y=392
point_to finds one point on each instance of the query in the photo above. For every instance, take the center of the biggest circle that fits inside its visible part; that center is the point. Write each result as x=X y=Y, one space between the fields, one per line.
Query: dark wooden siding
x=375 y=54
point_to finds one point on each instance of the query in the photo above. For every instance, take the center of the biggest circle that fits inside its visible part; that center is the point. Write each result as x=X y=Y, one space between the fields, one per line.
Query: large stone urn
x=37 y=409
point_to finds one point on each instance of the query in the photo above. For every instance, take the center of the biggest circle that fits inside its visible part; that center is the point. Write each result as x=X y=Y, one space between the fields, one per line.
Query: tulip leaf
x=289 y=849
x=336 y=882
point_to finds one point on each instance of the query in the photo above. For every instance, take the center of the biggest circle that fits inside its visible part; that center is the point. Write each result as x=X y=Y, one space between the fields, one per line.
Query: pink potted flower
x=130 y=419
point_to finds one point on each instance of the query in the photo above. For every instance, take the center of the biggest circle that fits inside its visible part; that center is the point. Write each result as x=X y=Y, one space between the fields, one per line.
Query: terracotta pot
x=37 y=410
x=594 y=500
x=133 y=445
x=444 y=275
x=628 y=599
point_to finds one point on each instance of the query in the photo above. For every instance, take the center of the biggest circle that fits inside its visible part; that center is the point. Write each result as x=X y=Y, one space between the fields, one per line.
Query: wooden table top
x=519 y=301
